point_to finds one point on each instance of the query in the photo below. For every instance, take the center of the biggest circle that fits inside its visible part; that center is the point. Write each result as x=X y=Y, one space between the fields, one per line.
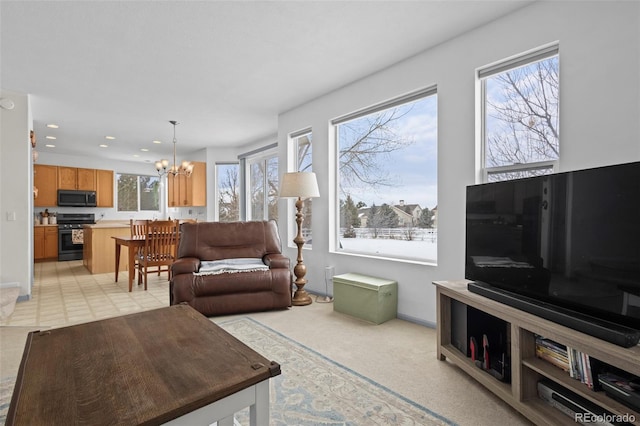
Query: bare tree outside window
x=272 y=188
x=138 y=193
x=387 y=176
x=257 y=188
x=521 y=120
x=263 y=187
x=228 y=192
x=303 y=147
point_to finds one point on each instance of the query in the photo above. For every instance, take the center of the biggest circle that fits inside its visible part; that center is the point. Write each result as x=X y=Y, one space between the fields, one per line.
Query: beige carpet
x=398 y=355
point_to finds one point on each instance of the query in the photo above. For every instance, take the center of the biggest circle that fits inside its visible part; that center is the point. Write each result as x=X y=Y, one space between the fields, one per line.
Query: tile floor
x=67 y=293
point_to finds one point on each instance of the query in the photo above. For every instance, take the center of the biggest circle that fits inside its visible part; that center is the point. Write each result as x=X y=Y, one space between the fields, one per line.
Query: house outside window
x=138 y=193
x=263 y=187
x=387 y=179
x=520 y=120
x=301 y=142
x=228 y=192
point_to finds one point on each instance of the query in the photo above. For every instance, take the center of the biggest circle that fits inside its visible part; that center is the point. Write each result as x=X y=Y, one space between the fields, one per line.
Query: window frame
x=335 y=225
x=482 y=74
x=247 y=160
x=294 y=166
x=138 y=190
x=217 y=189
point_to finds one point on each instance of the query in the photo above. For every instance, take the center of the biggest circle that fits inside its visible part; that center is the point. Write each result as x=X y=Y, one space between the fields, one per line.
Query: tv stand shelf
x=526 y=368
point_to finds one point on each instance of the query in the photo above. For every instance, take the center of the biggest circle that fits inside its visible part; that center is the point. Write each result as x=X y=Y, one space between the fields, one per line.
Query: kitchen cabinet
x=45 y=179
x=104 y=185
x=188 y=191
x=76 y=178
x=48 y=179
x=45 y=242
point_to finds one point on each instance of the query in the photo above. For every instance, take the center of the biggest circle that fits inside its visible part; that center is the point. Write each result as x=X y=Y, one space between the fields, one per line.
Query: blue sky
x=412 y=170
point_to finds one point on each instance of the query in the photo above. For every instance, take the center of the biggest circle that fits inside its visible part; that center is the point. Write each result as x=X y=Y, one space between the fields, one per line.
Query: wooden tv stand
x=526 y=368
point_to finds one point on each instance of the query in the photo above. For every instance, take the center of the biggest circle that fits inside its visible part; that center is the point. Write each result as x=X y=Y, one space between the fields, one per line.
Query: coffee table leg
x=259 y=412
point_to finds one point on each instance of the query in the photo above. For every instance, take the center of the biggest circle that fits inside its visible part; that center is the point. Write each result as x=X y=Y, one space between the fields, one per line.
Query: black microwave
x=70 y=198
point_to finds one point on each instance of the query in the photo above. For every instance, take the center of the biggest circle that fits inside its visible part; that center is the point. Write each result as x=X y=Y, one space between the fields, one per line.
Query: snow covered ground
x=422 y=250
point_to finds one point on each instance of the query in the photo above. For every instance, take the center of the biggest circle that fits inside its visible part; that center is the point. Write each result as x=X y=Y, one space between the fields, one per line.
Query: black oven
x=71 y=234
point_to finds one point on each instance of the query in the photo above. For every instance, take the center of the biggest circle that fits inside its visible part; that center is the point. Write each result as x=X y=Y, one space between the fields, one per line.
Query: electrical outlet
x=329 y=272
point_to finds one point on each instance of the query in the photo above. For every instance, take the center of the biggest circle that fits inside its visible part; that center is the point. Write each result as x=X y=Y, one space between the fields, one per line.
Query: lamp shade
x=299 y=184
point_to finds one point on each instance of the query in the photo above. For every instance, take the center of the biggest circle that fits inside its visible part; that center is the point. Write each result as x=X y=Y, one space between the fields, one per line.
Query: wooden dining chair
x=159 y=249
x=137 y=228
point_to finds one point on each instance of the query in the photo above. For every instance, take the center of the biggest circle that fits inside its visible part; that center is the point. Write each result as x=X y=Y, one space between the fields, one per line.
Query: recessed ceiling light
x=52 y=126
x=104 y=145
x=157 y=141
x=49 y=145
x=110 y=137
x=144 y=149
x=136 y=155
x=50 y=137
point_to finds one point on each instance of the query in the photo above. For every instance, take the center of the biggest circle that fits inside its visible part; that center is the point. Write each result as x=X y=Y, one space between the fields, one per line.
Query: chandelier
x=162 y=166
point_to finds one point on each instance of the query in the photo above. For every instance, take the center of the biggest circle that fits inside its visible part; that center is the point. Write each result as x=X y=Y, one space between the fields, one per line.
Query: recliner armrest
x=185 y=265
x=276 y=261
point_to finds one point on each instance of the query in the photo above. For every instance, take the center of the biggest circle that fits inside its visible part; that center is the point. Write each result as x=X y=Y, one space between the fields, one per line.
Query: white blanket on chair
x=243 y=264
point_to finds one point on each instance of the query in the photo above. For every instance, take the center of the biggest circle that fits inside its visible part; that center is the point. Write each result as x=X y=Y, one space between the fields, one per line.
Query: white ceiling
x=223 y=69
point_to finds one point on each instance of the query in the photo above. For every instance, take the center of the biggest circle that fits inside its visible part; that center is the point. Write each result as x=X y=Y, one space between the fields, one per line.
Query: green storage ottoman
x=368 y=298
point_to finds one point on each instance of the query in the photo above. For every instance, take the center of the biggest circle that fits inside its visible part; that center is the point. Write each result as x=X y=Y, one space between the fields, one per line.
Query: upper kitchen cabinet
x=45 y=179
x=104 y=184
x=188 y=191
x=76 y=178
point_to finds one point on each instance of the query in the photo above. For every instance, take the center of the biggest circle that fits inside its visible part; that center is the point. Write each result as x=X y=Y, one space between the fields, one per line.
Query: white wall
x=16 y=198
x=599 y=125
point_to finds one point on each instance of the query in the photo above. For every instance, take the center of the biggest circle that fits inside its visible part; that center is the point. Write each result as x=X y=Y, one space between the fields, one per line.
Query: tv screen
x=568 y=239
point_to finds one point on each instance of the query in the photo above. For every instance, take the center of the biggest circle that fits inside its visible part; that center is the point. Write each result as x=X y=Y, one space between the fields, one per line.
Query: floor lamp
x=299 y=185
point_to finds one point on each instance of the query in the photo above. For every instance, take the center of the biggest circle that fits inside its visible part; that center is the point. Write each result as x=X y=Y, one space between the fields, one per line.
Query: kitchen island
x=98 y=253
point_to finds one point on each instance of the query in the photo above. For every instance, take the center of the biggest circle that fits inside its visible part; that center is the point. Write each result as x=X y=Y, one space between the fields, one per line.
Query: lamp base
x=301 y=298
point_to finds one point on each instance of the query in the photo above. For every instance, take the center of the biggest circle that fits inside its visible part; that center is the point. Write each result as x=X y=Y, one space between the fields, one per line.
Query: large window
x=138 y=193
x=301 y=142
x=520 y=116
x=387 y=178
x=263 y=187
x=228 y=195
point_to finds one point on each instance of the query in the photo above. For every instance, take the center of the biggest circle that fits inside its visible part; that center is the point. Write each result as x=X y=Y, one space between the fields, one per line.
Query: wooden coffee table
x=146 y=368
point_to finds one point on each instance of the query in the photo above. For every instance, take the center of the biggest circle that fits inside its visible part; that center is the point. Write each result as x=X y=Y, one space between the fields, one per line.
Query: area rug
x=312 y=390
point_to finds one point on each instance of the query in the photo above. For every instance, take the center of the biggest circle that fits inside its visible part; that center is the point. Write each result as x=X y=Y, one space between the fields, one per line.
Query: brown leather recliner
x=266 y=287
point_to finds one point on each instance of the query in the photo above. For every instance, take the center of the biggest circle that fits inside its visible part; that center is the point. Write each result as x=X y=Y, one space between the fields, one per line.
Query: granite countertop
x=38 y=225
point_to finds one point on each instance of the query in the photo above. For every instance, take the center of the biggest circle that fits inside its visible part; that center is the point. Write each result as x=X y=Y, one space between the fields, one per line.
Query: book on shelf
x=552 y=352
x=579 y=365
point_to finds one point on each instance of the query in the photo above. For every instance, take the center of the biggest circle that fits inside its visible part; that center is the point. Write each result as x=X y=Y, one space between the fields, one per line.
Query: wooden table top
x=143 y=368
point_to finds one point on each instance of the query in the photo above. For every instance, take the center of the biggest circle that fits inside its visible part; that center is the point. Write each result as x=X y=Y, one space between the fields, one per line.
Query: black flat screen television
x=566 y=242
